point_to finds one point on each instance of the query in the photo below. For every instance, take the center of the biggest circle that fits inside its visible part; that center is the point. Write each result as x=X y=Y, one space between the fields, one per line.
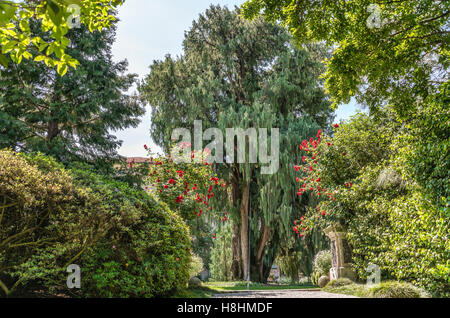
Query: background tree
x=222 y=254
x=227 y=79
x=56 y=17
x=390 y=53
x=190 y=189
x=69 y=117
x=365 y=186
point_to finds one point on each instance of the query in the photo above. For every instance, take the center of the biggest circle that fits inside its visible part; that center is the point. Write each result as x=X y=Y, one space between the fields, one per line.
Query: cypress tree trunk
x=244 y=229
x=236 y=264
x=260 y=253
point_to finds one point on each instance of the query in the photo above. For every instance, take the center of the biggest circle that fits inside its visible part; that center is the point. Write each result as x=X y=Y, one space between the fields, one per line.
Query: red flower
x=145 y=147
x=179 y=199
x=336 y=126
x=319 y=133
x=171 y=181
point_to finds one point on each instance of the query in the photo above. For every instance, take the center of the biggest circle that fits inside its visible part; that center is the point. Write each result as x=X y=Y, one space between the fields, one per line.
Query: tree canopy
x=70 y=117
x=390 y=52
x=55 y=17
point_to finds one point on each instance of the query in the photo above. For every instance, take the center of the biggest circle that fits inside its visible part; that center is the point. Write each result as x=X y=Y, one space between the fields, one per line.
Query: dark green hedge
x=126 y=243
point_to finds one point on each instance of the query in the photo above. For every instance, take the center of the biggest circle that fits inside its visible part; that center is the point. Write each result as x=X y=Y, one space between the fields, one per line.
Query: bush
x=321 y=266
x=392 y=289
x=46 y=220
x=315 y=278
x=393 y=213
x=339 y=282
x=145 y=256
x=352 y=289
x=126 y=243
x=196 y=266
x=389 y=289
x=195 y=282
x=322 y=262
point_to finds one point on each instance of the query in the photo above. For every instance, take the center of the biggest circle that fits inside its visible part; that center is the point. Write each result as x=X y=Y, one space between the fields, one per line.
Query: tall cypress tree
x=70 y=117
x=240 y=74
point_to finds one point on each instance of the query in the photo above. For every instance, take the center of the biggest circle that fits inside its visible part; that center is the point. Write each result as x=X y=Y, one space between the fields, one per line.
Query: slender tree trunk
x=225 y=261
x=260 y=253
x=236 y=263
x=244 y=229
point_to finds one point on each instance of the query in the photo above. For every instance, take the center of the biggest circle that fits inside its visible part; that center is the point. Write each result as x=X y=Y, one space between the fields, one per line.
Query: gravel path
x=282 y=294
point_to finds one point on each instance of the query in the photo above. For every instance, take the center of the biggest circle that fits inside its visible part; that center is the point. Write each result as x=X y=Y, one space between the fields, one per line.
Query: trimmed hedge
x=126 y=243
x=388 y=289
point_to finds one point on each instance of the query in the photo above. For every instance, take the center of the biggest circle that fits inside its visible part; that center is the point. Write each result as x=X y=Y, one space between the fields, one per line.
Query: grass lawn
x=211 y=288
x=236 y=286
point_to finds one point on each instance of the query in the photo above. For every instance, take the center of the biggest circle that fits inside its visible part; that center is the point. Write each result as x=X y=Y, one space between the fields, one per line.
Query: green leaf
x=3 y=60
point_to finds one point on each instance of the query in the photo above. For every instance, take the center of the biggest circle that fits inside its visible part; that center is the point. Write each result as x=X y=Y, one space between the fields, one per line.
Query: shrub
x=339 y=282
x=348 y=289
x=315 y=278
x=322 y=262
x=392 y=213
x=126 y=243
x=392 y=289
x=46 y=220
x=195 y=282
x=145 y=256
x=321 y=266
x=196 y=266
x=389 y=289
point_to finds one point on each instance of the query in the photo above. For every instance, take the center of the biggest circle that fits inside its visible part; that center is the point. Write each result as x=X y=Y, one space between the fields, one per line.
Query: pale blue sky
x=147 y=31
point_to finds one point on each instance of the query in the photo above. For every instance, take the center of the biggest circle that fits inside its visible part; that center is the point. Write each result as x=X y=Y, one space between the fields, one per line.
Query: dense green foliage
x=221 y=254
x=70 y=117
x=389 y=220
x=384 y=52
x=196 y=265
x=289 y=265
x=386 y=175
x=56 y=17
x=401 y=61
x=322 y=265
x=195 y=192
x=127 y=244
x=388 y=289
